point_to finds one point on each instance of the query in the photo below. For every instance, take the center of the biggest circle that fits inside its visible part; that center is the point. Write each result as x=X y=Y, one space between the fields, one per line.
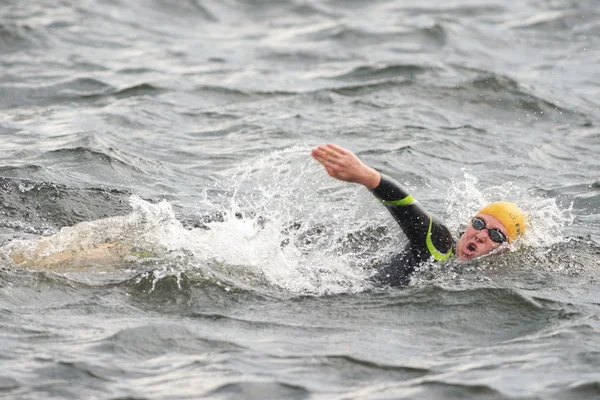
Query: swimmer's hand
x=344 y=165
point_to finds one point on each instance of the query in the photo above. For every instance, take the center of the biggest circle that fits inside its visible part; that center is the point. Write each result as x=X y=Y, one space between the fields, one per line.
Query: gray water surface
x=180 y=132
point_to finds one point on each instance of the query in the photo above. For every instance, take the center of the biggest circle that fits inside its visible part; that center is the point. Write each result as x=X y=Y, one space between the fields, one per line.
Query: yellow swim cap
x=510 y=215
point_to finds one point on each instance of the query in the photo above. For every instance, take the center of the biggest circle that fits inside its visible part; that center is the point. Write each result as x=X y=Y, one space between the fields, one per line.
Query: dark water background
x=188 y=124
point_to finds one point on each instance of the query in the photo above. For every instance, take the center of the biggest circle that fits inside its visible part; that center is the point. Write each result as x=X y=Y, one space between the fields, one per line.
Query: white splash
x=285 y=222
x=294 y=225
x=546 y=219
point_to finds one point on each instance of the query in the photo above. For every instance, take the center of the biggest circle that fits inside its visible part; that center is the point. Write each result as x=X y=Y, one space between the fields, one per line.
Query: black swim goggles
x=493 y=233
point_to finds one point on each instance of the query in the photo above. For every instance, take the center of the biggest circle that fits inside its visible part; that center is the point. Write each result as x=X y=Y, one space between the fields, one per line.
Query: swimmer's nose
x=481 y=236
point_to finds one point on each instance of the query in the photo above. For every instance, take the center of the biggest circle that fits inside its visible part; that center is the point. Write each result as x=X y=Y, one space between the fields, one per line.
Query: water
x=177 y=241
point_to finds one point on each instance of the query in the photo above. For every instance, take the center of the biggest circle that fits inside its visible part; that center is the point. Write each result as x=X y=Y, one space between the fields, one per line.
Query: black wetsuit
x=428 y=237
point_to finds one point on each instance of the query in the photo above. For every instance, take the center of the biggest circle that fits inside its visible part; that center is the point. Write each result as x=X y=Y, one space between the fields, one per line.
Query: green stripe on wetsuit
x=435 y=252
x=407 y=201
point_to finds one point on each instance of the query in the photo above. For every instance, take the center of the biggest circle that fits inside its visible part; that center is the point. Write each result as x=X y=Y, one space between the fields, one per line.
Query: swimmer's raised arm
x=344 y=165
x=427 y=234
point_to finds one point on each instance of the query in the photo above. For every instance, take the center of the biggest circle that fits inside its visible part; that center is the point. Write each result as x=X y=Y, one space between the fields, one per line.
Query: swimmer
x=492 y=228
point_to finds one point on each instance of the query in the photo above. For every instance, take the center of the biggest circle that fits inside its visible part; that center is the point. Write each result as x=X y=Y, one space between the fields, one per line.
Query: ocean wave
x=185 y=8
x=279 y=12
x=586 y=389
x=67 y=90
x=351 y=36
x=369 y=87
x=48 y=206
x=104 y=167
x=403 y=371
x=294 y=57
x=152 y=340
x=438 y=388
x=502 y=96
x=583 y=197
x=16 y=36
x=142 y=89
x=387 y=73
x=506 y=90
x=472 y=10
x=502 y=298
x=554 y=20
x=222 y=90
x=276 y=390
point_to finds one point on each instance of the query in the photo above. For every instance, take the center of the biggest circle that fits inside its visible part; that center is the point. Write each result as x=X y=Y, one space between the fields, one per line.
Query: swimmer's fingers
x=318 y=152
x=318 y=155
x=334 y=155
x=323 y=155
x=344 y=165
x=332 y=164
x=340 y=168
x=326 y=151
x=330 y=151
x=337 y=149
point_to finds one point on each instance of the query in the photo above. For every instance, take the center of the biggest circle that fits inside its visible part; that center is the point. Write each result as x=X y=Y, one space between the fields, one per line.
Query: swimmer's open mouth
x=470 y=250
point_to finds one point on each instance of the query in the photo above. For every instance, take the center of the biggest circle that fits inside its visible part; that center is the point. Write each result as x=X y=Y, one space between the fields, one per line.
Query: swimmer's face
x=474 y=243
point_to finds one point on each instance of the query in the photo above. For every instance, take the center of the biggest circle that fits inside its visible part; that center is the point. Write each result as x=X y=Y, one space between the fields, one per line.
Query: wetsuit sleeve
x=427 y=234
